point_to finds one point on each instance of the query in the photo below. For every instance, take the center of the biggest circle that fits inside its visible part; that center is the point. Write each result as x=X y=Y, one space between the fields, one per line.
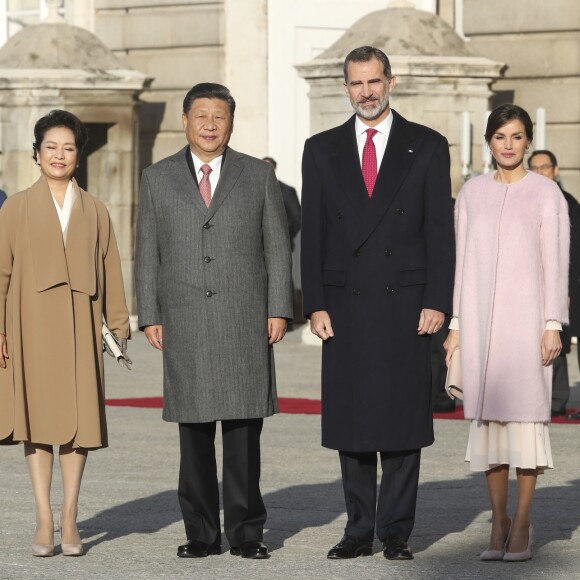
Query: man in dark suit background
x=545 y=163
x=292 y=207
x=291 y=204
x=213 y=280
x=378 y=261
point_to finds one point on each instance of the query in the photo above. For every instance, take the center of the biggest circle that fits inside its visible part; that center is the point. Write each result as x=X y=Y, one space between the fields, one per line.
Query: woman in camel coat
x=510 y=301
x=60 y=273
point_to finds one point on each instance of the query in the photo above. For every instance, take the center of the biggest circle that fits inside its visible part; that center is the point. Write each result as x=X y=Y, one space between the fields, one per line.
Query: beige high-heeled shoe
x=42 y=550
x=69 y=549
x=521 y=556
x=494 y=555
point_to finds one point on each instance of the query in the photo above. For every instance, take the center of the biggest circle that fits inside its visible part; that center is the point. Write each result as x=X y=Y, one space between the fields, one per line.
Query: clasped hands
x=430 y=321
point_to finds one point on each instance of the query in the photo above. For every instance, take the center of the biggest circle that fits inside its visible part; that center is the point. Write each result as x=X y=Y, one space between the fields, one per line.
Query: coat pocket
x=412 y=277
x=334 y=277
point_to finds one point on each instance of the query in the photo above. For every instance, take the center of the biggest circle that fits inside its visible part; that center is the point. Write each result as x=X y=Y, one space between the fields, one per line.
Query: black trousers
x=560 y=384
x=394 y=513
x=198 y=492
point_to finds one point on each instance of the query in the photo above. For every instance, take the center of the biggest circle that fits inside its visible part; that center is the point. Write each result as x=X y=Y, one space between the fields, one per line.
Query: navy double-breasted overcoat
x=374 y=264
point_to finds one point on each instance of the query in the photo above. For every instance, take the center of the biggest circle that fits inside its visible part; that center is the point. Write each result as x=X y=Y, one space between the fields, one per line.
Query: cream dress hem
x=523 y=445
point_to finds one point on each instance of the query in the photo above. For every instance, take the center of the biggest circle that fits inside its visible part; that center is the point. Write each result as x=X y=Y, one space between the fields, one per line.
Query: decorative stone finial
x=53 y=7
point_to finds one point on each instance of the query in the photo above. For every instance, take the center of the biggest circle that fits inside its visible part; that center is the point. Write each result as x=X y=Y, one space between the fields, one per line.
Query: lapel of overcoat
x=186 y=180
x=349 y=168
x=402 y=148
x=182 y=175
x=53 y=263
x=229 y=174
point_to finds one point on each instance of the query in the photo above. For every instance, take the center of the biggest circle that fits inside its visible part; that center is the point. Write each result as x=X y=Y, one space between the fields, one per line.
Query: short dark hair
x=364 y=54
x=502 y=115
x=209 y=91
x=549 y=154
x=59 y=118
x=271 y=161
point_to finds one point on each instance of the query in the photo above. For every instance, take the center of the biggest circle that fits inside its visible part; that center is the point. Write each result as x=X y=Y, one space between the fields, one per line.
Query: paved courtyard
x=130 y=520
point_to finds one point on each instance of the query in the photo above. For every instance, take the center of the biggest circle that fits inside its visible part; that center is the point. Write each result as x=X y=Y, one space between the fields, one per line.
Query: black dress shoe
x=395 y=547
x=350 y=547
x=573 y=416
x=254 y=549
x=560 y=413
x=197 y=549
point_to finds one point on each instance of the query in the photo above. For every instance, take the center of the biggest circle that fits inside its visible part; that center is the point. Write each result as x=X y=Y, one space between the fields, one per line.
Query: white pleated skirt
x=523 y=445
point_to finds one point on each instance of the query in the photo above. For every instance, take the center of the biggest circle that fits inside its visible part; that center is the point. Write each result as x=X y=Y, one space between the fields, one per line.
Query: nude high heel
x=493 y=555
x=69 y=549
x=521 y=556
x=42 y=550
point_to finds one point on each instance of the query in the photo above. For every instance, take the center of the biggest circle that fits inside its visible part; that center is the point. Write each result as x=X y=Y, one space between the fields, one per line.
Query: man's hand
x=276 y=329
x=3 y=351
x=451 y=344
x=320 y=325
x=551 y=346
x=430 y=321
x=154 y=334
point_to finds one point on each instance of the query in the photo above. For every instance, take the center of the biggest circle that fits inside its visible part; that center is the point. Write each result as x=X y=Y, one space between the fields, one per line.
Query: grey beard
x=371 y=114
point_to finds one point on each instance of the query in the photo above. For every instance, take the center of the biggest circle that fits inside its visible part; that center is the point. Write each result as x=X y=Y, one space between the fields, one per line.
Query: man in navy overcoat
x=378 y=259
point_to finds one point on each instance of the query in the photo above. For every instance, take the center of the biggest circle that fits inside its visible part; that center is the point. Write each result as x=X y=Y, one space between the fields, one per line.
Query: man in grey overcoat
x=213 y=278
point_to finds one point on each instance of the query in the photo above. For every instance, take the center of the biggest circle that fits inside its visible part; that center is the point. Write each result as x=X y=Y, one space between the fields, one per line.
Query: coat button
x=388 y=252
x=339 y=215
x=207 y=259
x=207 y=226
x=209 y=293
x=356 y=291
x=358 y=253
x=399 y=211
x=390 y=289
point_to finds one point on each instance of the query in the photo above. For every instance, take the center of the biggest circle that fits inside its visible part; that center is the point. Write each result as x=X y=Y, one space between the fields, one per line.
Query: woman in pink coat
x=510 y=300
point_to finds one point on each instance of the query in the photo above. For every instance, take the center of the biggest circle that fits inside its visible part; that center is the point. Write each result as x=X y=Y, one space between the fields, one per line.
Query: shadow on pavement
x=444 y=507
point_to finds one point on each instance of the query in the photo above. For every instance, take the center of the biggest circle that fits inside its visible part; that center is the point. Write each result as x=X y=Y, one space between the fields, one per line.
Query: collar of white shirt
x=380 y=139
x=215 y=164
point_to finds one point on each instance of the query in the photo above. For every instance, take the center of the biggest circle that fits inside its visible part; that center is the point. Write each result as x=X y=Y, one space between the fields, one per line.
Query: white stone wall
x=540 y=42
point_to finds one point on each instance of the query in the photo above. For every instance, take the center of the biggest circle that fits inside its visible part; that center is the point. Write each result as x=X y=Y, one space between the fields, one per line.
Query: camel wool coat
x=52 y=301
x=511 y=278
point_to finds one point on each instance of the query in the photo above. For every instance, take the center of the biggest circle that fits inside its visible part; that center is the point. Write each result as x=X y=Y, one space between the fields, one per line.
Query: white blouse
x=64 y=213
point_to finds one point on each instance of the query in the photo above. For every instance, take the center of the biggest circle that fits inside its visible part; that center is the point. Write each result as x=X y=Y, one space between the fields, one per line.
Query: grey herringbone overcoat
x=212 y=277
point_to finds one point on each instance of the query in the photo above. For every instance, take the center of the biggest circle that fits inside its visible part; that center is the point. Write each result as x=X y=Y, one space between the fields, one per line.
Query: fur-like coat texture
x=511 y=278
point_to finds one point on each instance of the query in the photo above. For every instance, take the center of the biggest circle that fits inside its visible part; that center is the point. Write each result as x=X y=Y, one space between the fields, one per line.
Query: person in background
x=545 y=163
x=510 y=302
x=60 y=274
x=292 y=207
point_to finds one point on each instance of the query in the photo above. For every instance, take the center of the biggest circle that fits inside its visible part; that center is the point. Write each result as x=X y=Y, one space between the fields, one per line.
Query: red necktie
x=205 y=185
x=369 y=162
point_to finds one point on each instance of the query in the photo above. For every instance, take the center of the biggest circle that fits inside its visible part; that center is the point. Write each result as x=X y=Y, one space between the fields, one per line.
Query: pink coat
x=511 y=277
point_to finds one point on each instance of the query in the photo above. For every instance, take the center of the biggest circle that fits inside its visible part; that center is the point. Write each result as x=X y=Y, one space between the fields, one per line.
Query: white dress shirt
x=64 y=213
x=380 y=139
x=216 y=168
